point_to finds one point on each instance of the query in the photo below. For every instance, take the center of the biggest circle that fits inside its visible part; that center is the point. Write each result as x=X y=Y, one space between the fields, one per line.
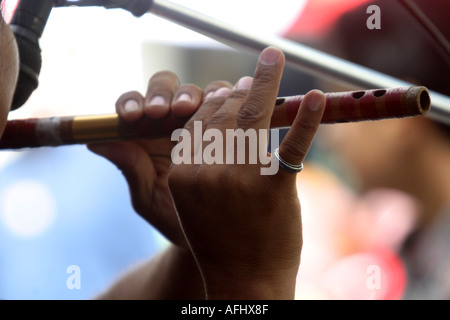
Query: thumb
x=300 y=136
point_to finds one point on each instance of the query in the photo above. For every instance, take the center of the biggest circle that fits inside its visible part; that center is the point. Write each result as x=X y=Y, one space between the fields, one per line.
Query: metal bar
x=307 y=59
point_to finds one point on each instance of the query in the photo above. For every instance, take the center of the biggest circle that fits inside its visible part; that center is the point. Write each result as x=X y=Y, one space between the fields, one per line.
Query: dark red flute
x=352 y=106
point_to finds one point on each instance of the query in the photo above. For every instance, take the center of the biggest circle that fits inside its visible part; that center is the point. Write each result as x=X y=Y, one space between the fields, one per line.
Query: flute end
x=424 y=100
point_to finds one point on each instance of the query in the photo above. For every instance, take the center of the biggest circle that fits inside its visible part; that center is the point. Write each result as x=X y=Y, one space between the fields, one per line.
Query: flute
x=351 y=106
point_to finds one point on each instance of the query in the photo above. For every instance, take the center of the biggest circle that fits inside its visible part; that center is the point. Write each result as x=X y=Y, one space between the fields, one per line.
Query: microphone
x=27 y=19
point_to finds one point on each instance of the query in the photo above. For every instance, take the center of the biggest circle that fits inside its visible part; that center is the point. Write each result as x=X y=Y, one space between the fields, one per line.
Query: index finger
x=257 y=109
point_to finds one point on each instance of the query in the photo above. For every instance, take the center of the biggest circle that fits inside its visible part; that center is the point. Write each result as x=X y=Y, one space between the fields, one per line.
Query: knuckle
x=162 y=82
x=163 y=75
x=208 y=178
x=129 y=95
x=310 y=125
x=264 y=78
x=189 y=87
x=213 y=104
x=214 y=85
x=238 y=95
x=217 y=119
x=250 y=113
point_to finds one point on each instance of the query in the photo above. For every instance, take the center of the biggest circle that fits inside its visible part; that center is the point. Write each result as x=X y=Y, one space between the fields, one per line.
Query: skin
x=244 y=228
x=203 y=210
x=145 y=164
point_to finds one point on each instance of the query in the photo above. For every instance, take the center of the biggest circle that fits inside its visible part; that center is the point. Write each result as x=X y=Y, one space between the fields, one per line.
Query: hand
x=145 y=163
x=244 y=228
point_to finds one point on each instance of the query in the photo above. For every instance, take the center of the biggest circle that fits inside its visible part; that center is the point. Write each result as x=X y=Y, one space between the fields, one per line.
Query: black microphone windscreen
x=27 y=19
x=30 y=67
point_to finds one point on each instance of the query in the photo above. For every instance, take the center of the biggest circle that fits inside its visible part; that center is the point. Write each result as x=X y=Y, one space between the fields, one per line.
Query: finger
x=214 y=86
x=244 y=83
x=225 y=116
x=300 y=136
x=133 y=161
x=122 y=154
x=215 y=94
x=201 y=118
x=236 y=97
x=208 y=109
x=258 y=107
x=130 y=106
x=186 y=100
x=160 y=91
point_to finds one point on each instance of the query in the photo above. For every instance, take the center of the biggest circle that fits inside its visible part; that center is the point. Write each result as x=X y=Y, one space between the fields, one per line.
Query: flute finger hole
x=379 y=93
x=358 y=94
x=279 y=101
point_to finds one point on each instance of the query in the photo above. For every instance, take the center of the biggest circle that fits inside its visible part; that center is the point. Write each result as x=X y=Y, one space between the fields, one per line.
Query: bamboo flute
x=351 y=106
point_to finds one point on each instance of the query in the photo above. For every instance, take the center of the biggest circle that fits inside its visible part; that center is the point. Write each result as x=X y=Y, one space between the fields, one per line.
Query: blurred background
x=63 y=207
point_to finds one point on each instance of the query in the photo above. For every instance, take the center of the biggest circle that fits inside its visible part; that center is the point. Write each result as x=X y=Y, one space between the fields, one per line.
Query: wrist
x=279 y=287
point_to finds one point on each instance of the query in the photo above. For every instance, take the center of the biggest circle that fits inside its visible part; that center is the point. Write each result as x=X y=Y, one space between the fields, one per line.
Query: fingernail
x=209 y=95
x=131 y=106
x=245 y=83
x=222 y=92
x=270 y=56
x=316 y=100
x=157 y=101
x=184 y=97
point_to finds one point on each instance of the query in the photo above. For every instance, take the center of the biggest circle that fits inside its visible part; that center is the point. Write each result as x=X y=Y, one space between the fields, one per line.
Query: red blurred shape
x=318 y=16
x=377 y=274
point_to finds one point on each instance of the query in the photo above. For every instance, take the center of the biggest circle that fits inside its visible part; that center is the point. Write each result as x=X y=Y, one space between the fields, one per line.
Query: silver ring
x=289 y=167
